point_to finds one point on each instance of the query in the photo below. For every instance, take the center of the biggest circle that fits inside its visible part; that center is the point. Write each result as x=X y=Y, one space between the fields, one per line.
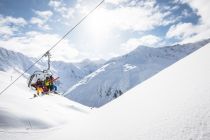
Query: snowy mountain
x=172 y=105
x=14 y=60
x=123 y=73
x=69 y=73
x=90 y=66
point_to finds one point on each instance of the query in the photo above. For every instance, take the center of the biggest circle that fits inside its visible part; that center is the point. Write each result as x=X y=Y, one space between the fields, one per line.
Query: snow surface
x=174 y=104
x=120 y=74
x=20 y=111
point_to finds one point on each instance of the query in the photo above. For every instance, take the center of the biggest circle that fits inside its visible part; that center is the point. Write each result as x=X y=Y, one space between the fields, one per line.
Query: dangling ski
x=34 y=96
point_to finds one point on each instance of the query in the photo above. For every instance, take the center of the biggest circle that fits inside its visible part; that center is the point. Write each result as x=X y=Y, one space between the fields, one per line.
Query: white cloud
x=40 y=23
x=132 y=15
x=6 y=30
x=9 y=25
x=181 y=30
x=148 y=40
x=145 y=3
x=185 y=13
x=200 y=32
x=62 y=9
x=34 y=44
x=179 y=1
x=136 y=19
x=11 y=20
x=115 y=2
x=44 y=14
x=187 y=32
x=201 y=7
x=41 y=19
x=142 y=18
x=55 y=3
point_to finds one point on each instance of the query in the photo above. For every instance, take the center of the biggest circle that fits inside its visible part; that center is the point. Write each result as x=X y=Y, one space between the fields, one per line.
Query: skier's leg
x=55 y=87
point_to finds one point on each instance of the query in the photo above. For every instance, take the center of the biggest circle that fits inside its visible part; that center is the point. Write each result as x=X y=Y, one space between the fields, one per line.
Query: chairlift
x=41 y=74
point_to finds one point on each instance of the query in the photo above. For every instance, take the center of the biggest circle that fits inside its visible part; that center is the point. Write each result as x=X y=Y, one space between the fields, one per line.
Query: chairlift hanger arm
x=48 y=55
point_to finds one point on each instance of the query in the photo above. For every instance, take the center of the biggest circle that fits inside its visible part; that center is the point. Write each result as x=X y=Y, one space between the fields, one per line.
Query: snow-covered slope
x=123 y=73
x=172 y=105
x=19 y=111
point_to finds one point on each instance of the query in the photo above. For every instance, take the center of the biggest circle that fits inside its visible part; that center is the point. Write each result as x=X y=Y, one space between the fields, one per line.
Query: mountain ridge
x=122 y=73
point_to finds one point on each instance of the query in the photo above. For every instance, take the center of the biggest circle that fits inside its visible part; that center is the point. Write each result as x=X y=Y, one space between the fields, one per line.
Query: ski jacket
x=52 y=80
x=39 y=84
x=47 y=82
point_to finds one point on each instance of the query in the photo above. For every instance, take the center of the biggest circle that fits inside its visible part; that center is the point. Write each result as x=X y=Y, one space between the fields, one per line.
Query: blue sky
x=115 y=28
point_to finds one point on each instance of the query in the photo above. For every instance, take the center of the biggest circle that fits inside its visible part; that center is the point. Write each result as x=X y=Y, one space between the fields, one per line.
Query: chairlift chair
x=40 y=74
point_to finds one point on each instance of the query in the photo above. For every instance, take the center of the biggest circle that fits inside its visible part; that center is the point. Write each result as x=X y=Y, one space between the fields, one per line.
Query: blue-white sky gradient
x=115 y=28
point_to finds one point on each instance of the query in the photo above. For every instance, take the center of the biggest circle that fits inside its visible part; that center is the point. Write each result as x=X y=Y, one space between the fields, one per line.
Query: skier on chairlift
x=52 y=86
x=46 y=85
x=49 y=84
x=38 y=86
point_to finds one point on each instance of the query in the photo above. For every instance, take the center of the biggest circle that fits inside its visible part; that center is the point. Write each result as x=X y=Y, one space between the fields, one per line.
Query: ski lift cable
x=47 y=52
